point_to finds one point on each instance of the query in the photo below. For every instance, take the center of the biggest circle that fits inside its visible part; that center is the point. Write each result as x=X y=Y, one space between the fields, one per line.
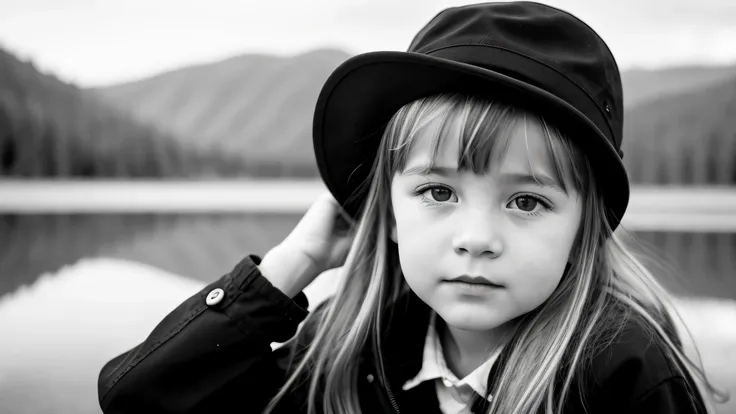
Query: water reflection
x=203 y=247
x=66 y=326
x=695 y=264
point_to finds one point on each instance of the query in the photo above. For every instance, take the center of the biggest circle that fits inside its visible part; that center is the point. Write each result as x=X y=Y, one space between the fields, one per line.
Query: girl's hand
x=319 y=242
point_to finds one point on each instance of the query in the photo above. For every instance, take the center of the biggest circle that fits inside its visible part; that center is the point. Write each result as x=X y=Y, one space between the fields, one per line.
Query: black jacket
x=211 y=359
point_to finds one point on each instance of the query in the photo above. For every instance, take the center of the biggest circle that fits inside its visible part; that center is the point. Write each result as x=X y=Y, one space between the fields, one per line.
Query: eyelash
x=428 y=201
x=546 y=205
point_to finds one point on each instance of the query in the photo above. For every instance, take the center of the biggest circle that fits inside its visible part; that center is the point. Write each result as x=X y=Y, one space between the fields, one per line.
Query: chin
x=471 y=321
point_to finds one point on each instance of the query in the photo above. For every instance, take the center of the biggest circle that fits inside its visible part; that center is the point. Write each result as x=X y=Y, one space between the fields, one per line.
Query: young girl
x=475 y=183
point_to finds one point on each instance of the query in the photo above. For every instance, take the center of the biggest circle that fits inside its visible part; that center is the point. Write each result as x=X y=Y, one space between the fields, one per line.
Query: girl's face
x=504 y=227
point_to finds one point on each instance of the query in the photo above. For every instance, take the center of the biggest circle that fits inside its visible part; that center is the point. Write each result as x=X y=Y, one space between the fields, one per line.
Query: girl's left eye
x=528 y=203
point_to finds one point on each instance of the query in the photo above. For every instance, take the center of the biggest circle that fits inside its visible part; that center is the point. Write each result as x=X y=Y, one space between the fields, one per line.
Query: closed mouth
x=474 y=280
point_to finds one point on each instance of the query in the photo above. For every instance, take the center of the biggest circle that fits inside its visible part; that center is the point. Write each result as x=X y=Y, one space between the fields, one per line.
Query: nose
x=478 y=237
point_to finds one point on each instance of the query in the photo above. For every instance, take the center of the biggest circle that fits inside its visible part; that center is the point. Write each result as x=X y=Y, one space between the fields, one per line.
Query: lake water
x=77 y=290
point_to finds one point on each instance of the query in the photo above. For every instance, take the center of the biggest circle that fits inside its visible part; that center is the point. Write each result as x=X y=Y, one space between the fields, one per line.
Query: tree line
x=34 y=144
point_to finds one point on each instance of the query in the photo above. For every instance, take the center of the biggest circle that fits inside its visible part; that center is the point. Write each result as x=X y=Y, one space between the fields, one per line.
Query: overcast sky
x=98 y=42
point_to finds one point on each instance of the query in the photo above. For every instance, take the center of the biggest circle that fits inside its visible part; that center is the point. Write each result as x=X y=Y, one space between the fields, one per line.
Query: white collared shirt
x=454 y=395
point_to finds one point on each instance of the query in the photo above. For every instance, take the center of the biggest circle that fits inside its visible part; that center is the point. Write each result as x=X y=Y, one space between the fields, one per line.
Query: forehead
x=526 y=150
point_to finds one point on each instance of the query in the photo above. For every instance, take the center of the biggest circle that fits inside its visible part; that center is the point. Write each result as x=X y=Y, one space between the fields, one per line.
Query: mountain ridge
x=237 y=105
x=260 y=107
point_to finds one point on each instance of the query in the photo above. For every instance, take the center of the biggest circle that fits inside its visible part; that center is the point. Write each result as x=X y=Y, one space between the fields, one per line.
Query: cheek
x=416 y=248
x=537 y=279
x=419 y=242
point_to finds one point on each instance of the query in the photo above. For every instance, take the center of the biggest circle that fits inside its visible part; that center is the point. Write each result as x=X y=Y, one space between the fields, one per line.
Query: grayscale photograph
x=367 y=207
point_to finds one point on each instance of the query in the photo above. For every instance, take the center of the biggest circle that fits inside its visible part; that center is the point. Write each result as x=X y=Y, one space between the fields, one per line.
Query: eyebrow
x=427 y=170
x=538 y=179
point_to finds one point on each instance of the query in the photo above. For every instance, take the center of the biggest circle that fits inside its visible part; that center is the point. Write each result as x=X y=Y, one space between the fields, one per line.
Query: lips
x=475 y=280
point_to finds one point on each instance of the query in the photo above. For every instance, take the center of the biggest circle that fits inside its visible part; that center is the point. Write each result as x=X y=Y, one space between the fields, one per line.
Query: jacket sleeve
x=209 y=358
x=672 y=396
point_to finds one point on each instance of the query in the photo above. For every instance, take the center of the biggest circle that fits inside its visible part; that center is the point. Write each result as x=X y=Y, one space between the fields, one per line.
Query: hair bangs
x=483 y=130
x=570 y=164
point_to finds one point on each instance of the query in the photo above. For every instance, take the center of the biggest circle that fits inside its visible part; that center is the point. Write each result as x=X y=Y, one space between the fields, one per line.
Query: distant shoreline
x=652 y=208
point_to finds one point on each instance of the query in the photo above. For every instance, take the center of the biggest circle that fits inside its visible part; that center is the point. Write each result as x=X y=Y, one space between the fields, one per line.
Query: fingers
x=342 y=220
x=323 y=208
x=324 y=217
x=326 y=204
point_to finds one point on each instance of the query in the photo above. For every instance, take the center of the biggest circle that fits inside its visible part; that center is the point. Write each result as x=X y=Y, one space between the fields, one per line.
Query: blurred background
x=146 y=146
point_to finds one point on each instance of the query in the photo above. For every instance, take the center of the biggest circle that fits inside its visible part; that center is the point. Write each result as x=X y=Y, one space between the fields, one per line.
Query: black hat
x=522 y=53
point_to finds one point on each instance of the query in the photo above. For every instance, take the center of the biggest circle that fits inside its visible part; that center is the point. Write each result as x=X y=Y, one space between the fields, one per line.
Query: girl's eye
x=436 y=194
x=525 y=203
x=440 y=194
x=528 y=204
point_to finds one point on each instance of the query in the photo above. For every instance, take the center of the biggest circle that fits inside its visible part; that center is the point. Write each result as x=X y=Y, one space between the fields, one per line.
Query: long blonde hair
x=552 y=344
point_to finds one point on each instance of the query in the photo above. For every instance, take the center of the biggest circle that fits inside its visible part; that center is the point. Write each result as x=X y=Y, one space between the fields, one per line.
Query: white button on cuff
x=447 y=382
x=215 y=296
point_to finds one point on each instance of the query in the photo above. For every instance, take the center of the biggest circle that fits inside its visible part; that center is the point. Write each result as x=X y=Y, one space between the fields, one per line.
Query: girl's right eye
x=436 y=194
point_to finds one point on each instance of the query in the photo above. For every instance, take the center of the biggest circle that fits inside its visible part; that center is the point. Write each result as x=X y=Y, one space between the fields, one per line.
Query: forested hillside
x=52 y=129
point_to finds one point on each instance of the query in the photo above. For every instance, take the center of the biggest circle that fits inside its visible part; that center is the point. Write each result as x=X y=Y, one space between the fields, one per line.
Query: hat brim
x=363 y=93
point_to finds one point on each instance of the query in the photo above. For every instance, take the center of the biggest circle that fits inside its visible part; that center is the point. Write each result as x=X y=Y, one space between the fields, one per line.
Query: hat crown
x=532 y=31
